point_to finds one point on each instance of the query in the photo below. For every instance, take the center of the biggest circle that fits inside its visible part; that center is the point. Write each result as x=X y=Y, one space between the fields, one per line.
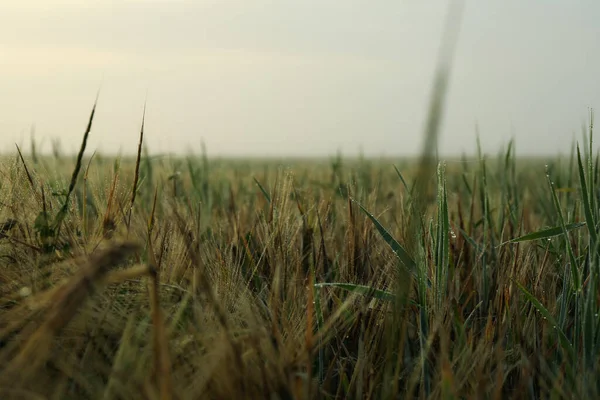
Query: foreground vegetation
x=178 y=278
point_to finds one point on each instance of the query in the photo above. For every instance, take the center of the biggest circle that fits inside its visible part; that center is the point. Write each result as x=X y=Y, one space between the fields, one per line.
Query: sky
x=295 y=77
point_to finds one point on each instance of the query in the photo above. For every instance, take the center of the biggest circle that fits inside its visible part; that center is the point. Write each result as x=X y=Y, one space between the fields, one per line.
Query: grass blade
x=576 y=279
x=402 y=179
x=264 y=192
x=136 y=176
x=564 y=341
x=63 y=211
x=585 y=198
x=545 y=233
x=362 y=289
x=400 y=252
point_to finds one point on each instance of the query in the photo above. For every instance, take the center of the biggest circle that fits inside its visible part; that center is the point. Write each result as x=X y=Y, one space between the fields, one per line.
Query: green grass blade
x=545 y=233
x=585 y=197
x=588 y=326
x=576 y=279
x=470 y=240
x=402 y=179
x=590 y=160
x=400 y=252
x=262 y=189
x=442 y=245
x=364 y=290
x=564 y=341
x=467 y=186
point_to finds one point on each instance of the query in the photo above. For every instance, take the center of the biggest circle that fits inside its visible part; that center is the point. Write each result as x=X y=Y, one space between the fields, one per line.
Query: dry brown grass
x=207 y=291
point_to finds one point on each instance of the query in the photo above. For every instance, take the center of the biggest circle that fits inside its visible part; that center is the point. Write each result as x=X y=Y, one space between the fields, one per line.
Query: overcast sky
x=302 y=77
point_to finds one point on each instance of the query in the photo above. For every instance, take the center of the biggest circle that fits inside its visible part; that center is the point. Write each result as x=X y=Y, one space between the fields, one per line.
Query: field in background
x=197 y=278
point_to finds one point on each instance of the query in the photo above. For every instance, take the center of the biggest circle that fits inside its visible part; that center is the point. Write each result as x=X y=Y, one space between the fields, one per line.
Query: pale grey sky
x=302 y=77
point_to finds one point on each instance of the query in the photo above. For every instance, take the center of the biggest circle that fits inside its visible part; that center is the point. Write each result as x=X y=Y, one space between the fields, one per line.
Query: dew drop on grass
x=24 y=291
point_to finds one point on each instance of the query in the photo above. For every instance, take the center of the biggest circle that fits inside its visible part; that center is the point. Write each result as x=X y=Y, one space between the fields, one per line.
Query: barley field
x=163 y=277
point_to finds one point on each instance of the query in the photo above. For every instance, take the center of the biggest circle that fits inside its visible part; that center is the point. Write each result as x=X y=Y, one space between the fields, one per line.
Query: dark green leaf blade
x=564 y=341
x=545 y=233
x=400 y=252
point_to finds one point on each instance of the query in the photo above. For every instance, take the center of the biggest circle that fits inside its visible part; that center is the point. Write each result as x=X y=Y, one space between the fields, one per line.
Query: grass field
x=191 y=277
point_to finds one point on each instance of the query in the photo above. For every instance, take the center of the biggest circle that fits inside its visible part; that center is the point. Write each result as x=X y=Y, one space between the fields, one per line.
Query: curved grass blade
x=401 y=178
x=400 y=252
x=364 y=290
x=564 y=341
x=262 y=189
x=396 y=247
x=62 y=213
x=545 y=233
x=470 y=240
